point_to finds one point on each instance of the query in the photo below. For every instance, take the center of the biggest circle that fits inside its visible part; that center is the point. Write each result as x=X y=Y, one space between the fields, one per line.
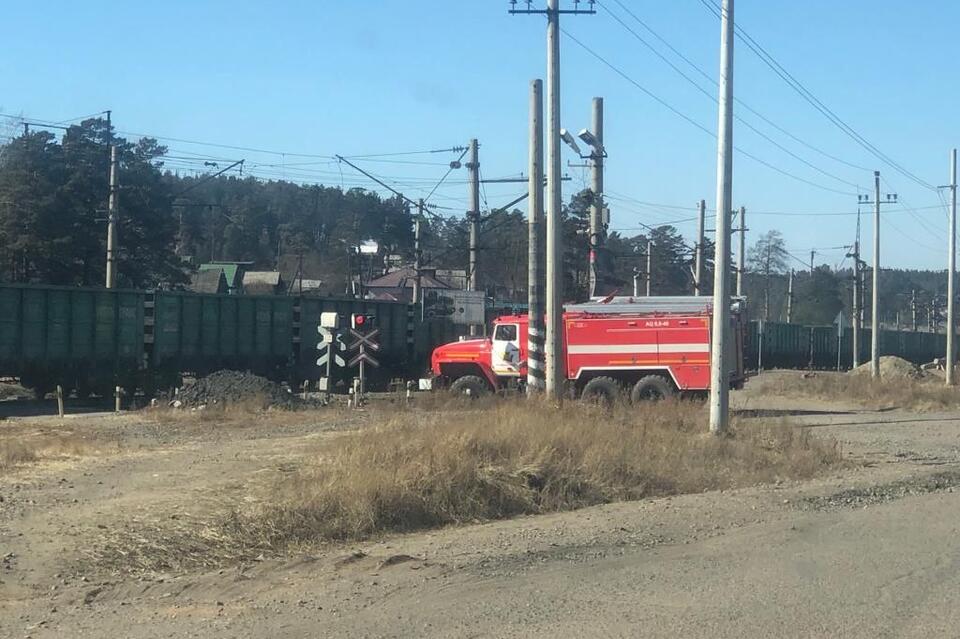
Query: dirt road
x=869 y=551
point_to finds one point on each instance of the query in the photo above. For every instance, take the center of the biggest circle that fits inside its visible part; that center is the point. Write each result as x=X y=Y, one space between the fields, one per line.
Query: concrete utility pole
x=813 y=254
x=951 y=270
x=913 y=309
x=741 y=256
x=875 y=308
x=553 y=345
x=535 y=261
x=698 y=260
x=473 y=216
x=649 y=267
x=417 y=253
x=596 y=209
x=112 y=217
x=719 y=366
x=554 y=260
x=790 y=298
x=856 y=303
x=636 y=281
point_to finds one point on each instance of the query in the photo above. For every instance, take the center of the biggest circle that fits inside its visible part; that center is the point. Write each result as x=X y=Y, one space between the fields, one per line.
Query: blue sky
x=358 y=78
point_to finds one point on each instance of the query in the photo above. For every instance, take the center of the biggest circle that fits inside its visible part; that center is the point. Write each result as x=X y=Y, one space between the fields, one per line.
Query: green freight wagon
x=779 y=345
x=84 y=339
x=198 y=334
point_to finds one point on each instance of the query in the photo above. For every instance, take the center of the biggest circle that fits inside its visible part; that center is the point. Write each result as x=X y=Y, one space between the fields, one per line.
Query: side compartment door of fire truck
x=505 y=353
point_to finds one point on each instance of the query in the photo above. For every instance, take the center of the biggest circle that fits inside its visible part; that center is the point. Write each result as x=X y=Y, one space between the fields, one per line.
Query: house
x=209 y=281
x=263 y=283
x=232 y=271
x=398 y=285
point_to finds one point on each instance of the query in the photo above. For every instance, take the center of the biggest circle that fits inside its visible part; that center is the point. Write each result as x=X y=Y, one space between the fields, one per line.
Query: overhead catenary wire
x=740 y=102
x=712 y=97
x=817 y=104
x=693 y=122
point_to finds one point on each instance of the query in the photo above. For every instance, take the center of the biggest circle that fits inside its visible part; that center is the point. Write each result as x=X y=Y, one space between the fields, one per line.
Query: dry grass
x=27 y=447
x=426 y=470
x=422 y=469
x=922 y=395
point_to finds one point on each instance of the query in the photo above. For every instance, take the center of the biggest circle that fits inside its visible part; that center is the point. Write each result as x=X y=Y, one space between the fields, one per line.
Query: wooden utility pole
x=112 y=218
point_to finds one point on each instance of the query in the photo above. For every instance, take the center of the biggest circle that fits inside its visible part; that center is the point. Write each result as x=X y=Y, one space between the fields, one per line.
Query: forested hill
x=53 y=199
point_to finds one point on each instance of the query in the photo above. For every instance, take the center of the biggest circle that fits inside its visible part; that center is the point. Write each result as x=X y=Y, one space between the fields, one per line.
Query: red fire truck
x=651 y=348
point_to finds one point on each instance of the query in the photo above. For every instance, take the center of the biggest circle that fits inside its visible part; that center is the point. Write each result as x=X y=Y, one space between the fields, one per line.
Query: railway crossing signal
x=331 y=343
x=365 y=345
x=324 y=347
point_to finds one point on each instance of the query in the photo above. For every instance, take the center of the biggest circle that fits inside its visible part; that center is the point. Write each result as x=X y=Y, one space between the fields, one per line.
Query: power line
x=713 y=98
x=693 y=122
x=713 y=81
x=805 y=93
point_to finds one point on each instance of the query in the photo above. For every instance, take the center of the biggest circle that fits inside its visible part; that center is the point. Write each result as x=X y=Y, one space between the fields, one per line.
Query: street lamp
x=568 y=139
x=591 y=140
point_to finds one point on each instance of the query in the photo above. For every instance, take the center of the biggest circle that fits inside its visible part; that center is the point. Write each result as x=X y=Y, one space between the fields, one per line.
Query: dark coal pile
x=234 y=387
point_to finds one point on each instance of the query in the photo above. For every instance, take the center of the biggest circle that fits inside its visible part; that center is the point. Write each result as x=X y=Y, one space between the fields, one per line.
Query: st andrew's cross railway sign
x=364 y=345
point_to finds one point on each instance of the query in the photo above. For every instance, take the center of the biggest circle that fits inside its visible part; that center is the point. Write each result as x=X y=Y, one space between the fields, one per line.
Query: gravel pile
x=892 y=367
x=230 y=387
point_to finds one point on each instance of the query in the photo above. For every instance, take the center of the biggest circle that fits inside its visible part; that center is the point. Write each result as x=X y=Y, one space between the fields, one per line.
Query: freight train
x=780 y=345
x=89 y=340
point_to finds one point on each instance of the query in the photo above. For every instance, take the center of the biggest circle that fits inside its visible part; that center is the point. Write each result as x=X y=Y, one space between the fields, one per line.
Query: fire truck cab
x=647 y=348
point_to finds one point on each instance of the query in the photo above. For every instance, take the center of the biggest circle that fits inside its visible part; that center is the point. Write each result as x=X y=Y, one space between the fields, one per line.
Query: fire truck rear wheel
x=601 y=390
x=470 y=386
x=652 y=388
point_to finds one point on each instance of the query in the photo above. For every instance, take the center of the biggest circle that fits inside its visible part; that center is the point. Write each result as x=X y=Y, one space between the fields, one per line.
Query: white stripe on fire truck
x=609 y=349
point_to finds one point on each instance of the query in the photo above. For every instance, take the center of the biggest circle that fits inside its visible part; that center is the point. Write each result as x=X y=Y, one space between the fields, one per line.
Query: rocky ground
x=867 y=551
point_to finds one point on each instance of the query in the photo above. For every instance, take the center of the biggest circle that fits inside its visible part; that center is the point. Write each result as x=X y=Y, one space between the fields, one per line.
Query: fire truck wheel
x=470 y=386
x=651 y=388
x=601 y=390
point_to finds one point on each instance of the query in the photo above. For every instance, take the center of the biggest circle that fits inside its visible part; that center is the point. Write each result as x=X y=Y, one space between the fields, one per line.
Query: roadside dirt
x=869 y=550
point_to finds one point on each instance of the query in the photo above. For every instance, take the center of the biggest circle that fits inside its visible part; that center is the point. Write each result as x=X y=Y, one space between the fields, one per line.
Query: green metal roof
x=229 y=270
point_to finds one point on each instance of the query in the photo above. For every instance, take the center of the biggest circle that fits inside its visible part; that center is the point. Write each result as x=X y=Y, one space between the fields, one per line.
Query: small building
x=304 y=285
x=263 y=283
x=209 y=281
x=398 y=285
x=232 y=271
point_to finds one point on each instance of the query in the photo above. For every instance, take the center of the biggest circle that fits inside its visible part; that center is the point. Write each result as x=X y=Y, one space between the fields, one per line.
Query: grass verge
x=922 y=395
x=24 y=448
x=424 y=469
